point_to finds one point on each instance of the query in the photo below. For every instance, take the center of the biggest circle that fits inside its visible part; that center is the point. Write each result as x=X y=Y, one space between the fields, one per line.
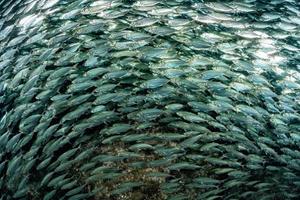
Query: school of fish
x=149 y=99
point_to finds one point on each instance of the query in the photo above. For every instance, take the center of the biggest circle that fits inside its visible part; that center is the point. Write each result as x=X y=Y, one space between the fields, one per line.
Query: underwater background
x=149 y=99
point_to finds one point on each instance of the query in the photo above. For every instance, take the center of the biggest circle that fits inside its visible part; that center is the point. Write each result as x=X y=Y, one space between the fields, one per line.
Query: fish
x=49 y=195
x=126 y=187
x=113 y=99
x=44 y=163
